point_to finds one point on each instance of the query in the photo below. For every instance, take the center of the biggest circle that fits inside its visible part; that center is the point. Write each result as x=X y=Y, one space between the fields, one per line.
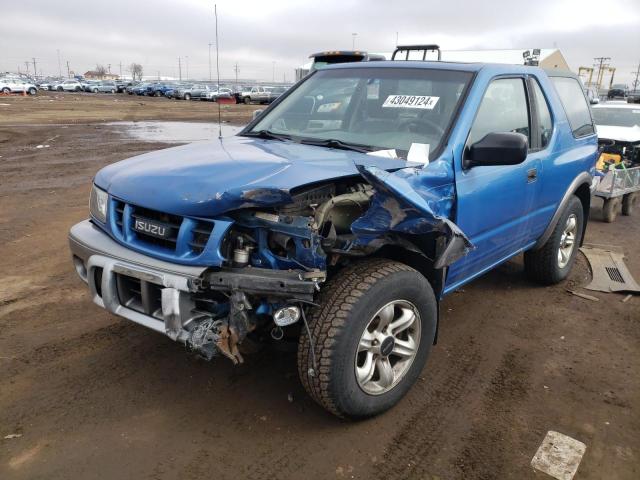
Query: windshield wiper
x=333 y=143
x=267 y=134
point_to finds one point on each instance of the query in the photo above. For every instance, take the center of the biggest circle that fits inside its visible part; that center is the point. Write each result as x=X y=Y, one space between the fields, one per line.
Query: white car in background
x=618 y=126
x=13 y=85
x=69 y=86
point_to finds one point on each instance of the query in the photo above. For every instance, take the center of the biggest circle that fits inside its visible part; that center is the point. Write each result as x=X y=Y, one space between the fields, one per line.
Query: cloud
x=255 y=34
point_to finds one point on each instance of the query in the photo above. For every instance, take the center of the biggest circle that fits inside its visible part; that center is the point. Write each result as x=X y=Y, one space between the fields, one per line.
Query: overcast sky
x=255 y=34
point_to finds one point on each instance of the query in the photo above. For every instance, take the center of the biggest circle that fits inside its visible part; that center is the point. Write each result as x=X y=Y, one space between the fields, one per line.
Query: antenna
x=215 y=12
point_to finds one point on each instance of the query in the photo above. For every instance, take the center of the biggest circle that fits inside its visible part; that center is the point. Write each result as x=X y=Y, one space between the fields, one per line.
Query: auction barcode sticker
x=410 y=101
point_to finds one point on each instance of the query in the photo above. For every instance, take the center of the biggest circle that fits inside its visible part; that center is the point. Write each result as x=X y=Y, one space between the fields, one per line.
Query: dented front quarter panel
x=413 y=201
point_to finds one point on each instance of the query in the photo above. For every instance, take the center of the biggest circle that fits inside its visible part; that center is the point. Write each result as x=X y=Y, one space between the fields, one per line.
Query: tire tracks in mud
x=418 y=439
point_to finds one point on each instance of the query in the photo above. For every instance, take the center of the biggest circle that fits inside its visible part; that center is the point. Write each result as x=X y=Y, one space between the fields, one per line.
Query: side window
x=503 y=109
x=575 y=105
x=544 y=116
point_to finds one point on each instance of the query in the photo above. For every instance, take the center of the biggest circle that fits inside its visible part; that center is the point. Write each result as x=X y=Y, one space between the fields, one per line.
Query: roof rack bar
x=412 y=48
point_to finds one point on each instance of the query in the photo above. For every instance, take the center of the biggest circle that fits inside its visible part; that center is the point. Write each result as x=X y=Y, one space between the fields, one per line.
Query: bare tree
x=100 y=70
x=136 y=71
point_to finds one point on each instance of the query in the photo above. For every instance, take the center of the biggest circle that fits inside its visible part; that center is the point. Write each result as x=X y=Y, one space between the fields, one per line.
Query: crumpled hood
x=621 y=134
x=209 y=178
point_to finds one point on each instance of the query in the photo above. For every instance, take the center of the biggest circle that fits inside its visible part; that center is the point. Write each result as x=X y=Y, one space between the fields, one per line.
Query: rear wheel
x=113 y=91
x=78 y=89
x=6 y=90
x=610 y=209
x=246 y=100
x=629 y=203
x=553 y=261
x=371 y=333
x=187 y=96
x=32 y=91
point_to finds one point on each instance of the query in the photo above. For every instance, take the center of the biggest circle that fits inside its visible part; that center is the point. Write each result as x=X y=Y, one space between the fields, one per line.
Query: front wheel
x=246 y=100
x=552 y=262
x=371 y=334
x=6 y=90
x=32 y=91
x=187 y=96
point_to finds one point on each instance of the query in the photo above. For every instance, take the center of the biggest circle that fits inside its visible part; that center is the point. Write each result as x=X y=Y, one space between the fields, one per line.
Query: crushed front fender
x=413 y=201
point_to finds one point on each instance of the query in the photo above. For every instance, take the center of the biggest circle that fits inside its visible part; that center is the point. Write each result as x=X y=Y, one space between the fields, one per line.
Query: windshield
x=617 y=117
x=376 y=108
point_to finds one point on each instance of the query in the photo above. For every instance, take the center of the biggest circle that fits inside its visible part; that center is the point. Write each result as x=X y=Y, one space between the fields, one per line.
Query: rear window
x=575 y=105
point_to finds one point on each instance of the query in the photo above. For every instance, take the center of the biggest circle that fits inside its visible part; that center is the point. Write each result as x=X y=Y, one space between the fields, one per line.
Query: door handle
x=532 y=175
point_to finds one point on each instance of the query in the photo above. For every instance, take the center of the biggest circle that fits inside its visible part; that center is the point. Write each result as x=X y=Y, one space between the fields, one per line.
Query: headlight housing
x=98 y=204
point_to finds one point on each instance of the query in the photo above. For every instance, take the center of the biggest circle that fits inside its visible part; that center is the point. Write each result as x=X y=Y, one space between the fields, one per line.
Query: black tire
x=629 y=203
x=60 y=89
x=113 y=91
x=78 y=89
x=610 y=209
x=6 y=90
x=542 y=265
x=187 y=96
x=95 y=90
x=346 y=305
x=246 y=100
x=32 y=91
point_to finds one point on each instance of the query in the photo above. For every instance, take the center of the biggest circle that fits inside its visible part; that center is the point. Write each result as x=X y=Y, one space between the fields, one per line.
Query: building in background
x=93 y=75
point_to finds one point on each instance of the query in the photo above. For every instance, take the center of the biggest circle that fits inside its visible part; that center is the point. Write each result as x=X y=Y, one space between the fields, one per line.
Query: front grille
x=188 y=236
x=174 y=221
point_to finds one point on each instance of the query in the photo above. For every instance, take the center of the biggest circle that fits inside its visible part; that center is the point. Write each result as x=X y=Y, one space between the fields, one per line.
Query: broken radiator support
x=213 y=336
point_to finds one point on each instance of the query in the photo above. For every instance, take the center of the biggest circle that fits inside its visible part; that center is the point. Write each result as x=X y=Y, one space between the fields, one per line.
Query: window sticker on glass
x=411 y=101
x=329 y=107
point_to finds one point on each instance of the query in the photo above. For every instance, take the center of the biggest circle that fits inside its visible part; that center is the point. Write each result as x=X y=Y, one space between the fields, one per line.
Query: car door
x=495 y=203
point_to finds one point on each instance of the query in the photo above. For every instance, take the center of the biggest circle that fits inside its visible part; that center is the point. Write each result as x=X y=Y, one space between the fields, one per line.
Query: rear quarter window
x=575 y=105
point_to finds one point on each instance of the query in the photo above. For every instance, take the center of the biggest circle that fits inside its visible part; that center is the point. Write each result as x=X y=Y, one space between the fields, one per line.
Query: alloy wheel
x=387 y=347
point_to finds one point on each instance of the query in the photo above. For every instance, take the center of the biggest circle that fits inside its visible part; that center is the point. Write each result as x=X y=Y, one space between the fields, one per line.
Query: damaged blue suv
x=343 y=214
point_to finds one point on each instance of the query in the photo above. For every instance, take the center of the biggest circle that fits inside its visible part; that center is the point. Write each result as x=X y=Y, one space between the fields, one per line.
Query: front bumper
x=102 y=264
x=166 y=295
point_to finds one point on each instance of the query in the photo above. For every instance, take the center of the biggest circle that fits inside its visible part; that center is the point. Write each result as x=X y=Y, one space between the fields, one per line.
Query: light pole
x=353 y=41
x=210 y=76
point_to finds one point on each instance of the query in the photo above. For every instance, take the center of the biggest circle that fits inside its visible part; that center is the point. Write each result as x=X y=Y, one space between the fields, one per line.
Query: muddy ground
x=92 y=396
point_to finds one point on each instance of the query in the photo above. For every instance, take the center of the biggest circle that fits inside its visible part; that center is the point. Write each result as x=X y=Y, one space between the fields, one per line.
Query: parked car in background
x=129 y=89
x=342 y=216
x=159 y=89
x=200 y=91
x=15 y=85
x=87 y=85
x=255 y=95
x=48 y=84
x=223 y=92
x=141 y=88
x=617 y=91
x=107 y=86
x=69 y=86
x=618 y=127
x=183 y=91
x=121 y=85
x=633 y=96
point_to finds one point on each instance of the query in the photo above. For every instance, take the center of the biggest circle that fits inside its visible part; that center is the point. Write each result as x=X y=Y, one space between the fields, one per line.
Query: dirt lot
x=93 y=396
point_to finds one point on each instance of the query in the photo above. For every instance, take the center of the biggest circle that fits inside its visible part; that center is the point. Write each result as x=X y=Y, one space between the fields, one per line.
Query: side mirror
x=497 y=149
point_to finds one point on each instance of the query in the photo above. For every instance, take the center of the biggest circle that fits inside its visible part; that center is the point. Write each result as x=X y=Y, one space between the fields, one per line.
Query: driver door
x=495 y=203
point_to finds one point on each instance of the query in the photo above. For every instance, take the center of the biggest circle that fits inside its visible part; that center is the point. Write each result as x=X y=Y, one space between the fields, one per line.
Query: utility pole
x=236 y=69
x=109 y=68
x=26 y=64
x=187 y=67
x=210 y=76
x=35 y=72
x=397 y=39
x=601 y=67
x=636 y=82
x=179 y=68
x=59 y=66
x=68 y=70
x=353 y=41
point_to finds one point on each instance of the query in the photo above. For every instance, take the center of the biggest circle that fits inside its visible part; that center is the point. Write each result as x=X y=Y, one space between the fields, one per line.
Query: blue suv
x=343 y=214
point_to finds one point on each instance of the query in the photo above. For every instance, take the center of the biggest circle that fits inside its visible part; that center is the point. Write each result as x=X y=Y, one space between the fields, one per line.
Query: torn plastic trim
x=413 y=201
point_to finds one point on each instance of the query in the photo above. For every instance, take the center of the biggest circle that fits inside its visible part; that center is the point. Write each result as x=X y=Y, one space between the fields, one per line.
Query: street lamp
x=353 y=41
